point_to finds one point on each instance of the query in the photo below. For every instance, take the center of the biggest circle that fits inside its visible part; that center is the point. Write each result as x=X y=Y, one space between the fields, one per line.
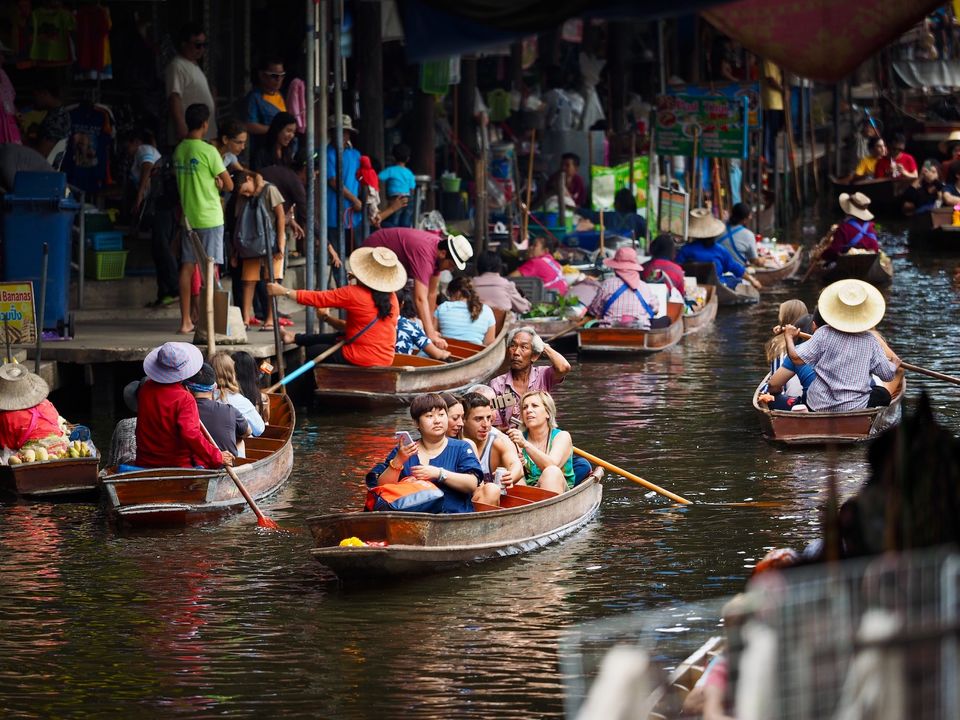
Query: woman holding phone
x=449 y=463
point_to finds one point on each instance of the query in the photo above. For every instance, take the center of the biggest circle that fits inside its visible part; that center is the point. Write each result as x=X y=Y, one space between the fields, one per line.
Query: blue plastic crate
x=105 y=240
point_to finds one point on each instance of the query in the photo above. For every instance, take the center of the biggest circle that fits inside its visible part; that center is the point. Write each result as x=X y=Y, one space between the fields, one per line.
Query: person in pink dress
x=542 y=264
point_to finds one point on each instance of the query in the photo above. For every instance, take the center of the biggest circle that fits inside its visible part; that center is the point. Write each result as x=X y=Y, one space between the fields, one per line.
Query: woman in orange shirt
x=370 y=328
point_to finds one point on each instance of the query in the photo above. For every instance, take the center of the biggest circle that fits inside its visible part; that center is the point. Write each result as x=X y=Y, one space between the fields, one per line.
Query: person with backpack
x=259 y=231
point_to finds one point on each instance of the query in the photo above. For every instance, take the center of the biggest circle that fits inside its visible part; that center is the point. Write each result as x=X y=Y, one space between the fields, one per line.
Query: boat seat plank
x=275 y=432
x=483 y=507
x=403 y=360
x=530 y=492
x=262 y=443
x=510 y=501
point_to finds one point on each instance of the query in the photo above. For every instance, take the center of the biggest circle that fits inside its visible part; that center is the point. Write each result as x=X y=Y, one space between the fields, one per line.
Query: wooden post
x=208 y=294
x=423 y=142
x=369 y=49
x=525 y=222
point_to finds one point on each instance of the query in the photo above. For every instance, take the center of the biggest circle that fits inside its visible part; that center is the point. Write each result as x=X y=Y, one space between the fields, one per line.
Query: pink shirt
x=547 y=269
x=417 y=250
x=499 y=293
x=542 y=377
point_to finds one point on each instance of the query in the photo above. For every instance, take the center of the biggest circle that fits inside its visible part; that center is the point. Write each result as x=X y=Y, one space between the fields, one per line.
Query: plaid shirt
x=626 y=304
x=843 y=363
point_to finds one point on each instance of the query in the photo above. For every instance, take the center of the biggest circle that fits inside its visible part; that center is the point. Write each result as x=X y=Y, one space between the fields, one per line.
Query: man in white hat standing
x=856 y=230
x=845 y=353
x=424 y=255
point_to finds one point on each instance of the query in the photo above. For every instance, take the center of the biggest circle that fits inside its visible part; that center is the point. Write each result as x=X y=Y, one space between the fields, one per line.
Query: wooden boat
x=820 y=428
x=410 y=375
x=668 y=699
x=704 y=317
x=884 y=193
x=871 y=267
x=73 y=478
x=633 y=340
x=182 y=496
x=422 y=543
x=552 y=327
x=706 y=274
x=935 y=230
x=770 y=276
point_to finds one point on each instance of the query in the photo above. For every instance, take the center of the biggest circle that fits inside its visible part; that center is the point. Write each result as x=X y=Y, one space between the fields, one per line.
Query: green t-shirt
x=197 y=163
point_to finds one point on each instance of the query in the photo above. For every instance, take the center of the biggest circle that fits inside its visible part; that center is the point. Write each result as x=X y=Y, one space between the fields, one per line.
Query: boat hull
x=704 y=317
x=621 y=340
x=935 y=231
x=186 y=496
x=822 y=428
x=421 y=543
x=550 y=328
x=768 y=277
x=409 y=376
x=860 y=266
x=706 y=274
x=884 y=193
x=75 y=478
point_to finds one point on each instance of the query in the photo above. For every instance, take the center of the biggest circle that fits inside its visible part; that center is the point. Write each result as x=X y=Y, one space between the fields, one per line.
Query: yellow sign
x=16 y=313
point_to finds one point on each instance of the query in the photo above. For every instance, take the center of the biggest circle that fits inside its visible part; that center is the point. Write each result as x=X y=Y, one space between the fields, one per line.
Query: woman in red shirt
x=370 y=328
x=662 y=267
x=25 y=412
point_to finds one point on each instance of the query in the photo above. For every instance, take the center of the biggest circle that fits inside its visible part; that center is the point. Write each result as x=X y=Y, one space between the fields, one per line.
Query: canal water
x=233 y=621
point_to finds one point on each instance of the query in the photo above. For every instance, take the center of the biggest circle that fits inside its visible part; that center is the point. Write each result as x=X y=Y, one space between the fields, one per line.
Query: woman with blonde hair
x=545 y=450
x=464 y=316
x=228 y=391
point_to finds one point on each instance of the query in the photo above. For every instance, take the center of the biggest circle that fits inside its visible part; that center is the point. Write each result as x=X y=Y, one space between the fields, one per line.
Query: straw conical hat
x=20 y=389
x=856 y=205
x=704 y=225
x=378 y=268
x=851 y=306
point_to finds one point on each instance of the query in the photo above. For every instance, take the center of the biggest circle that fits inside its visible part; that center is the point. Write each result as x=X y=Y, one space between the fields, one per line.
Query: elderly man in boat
x=624 y=300
x=704 y=230
x=524 y=348
x=845 y=353
x=855 y=231
x=27 y=417
x=169 y=433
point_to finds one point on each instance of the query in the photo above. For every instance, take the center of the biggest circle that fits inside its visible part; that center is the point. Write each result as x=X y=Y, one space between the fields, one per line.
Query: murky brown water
x=232 y=621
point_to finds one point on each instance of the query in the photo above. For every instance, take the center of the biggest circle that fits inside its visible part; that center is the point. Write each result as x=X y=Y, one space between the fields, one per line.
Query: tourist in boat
x=494 y=448
x=248 y=378
x=411 y=338
x=494 y=289
x=524 y=348
x=449 y=463
x=168 y=422
x=546 y=450
x=123 y=442
x=738 y=240
x=897 y=163
x=455 y=412
x=228 y=391
x=786 y=388
x=371 y=307
x=25 y=412
x=844 y=353
x=424 y=255
x=856 y=230
x=928 y=191
x=541 y=263
x=661 y=267
x=625 y=300
x=867 y=167
x=703 y=230
x=464 y=316
x=789 y=313
x=224 y=422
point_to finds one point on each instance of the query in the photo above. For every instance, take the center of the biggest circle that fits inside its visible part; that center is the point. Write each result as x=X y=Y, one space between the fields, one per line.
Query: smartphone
x=403 y=437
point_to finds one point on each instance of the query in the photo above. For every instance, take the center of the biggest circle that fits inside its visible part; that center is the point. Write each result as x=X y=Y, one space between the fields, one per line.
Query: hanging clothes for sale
x=9 y=132
x=87 y=160
x=93 y=43
x=52 y=44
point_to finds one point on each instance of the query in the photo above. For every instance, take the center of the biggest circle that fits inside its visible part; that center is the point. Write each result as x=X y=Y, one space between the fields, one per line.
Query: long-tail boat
x=703 y=318
x=627 y=340
x=184 y=496
x=421 y=543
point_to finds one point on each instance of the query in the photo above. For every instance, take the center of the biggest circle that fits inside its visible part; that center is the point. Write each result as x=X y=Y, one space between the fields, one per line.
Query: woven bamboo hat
x=378 y=268
x=856 y=205
x=704 y=225
x=20 y=389
x=851 y=306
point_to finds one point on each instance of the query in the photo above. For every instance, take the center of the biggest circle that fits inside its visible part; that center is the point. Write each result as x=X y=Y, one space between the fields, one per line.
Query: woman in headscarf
x=625 y=299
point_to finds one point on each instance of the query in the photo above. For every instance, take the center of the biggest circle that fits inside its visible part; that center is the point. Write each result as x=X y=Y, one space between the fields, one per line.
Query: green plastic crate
x=105 y=265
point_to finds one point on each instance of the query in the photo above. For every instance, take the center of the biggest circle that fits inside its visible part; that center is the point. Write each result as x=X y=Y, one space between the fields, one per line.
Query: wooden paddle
x=630 y=476
x=817 y=251
x=305 y=367
x=262 y=520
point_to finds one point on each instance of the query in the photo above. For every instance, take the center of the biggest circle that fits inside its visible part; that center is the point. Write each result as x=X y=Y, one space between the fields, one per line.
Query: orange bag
x=407 y=495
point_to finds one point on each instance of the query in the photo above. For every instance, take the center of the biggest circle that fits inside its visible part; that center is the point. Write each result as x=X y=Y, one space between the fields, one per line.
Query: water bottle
x=498 y=479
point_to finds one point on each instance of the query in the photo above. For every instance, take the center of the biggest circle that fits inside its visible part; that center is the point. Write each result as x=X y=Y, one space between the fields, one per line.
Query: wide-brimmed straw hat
x=347 y=123
x=460 y=250
x=851 y=306
x=378 y=268
x=173 y=362
x=954 y=136
x=856 y=205
x=704 y=225
x=624 y=259
x=20 y=389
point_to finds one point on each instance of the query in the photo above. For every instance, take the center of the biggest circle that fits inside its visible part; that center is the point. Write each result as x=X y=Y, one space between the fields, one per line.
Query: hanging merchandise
x=86 y=161
x=93 y=43
x=528 y=52
x=590 y=69
x=498 y=101
x=9 y=132
x=572 y=31
x=51 y=35
x=436 y=76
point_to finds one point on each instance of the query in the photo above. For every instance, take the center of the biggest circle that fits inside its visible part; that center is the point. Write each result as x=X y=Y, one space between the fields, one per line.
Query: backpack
x=254 y=230
x=407 y=495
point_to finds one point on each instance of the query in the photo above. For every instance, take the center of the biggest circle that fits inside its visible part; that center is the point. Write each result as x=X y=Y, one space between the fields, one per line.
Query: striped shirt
x=627 y=305
x=843 y=363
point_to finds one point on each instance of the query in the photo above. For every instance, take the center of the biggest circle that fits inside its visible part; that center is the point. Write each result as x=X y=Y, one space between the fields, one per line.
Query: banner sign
x=606 y=181
x=730 y=91
x=718 y=125
x=17 y=314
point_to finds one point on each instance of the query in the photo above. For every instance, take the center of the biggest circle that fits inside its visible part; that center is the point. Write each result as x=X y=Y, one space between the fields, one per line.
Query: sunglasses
x=276 y=76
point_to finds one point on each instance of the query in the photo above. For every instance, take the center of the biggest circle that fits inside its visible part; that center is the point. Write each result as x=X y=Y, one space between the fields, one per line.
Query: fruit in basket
x=29 y=455
x=15 y=460
x=42 y=454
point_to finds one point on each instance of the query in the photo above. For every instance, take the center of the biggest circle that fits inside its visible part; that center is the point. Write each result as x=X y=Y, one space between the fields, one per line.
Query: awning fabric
x=928 y=73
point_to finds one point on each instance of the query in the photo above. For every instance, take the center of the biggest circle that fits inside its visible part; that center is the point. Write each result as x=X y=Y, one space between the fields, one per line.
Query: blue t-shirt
x=719 y=256
x=805 y=373
x=457 y=456
x=454 y=320
x=351 y=164
x=410 y=337
x=397 y=180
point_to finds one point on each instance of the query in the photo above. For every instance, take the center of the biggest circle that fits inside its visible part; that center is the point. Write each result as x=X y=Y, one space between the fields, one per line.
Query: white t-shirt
x=186 y=79
x=144 y=154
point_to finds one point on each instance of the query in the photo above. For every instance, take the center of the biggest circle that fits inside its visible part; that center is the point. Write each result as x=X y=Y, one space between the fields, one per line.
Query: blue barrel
x=36 y=212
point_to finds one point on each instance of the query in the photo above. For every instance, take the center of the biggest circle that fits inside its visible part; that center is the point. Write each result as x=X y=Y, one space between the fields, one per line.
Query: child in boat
x=788 y=384
x=450 y=464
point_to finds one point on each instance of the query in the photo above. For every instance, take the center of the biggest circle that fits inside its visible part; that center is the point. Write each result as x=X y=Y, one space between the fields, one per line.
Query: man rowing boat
x=855 y=231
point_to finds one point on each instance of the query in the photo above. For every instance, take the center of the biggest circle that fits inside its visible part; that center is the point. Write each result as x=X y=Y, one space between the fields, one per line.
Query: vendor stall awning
x=927 y=73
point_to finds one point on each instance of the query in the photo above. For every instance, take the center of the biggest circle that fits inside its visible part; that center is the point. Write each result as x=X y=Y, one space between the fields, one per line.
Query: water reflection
x=232 y=620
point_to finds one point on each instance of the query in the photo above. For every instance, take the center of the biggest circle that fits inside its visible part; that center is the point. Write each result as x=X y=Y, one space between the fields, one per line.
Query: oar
x=262 y=520
x=43 y=308
x=630 y=476
x=913 y=368
x=306 y=366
